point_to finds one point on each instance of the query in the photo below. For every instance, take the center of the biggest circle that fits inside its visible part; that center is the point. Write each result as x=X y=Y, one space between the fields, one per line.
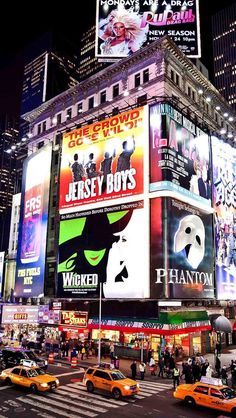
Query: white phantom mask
x=191 y=237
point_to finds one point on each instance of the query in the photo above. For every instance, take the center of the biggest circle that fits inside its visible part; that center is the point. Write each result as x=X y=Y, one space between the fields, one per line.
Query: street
x=72 y=400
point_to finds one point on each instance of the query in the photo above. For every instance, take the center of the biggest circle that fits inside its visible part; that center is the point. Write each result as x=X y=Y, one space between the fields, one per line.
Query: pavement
x=225 y=357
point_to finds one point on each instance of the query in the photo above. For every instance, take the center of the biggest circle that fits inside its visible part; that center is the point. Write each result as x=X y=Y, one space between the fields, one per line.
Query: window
x=58 y=118
x=115 y=111
x=102 y=374
x=58 y=139
x=69 y=113
x=172 y=75
x=189 y=91
x=79 y=108
x=24 y=373
x=142 y=100
x=193 y=95
x=216 y=393
x=137 y=80
x=201 y=389
x=146 y=75
x=89 y=371
x=16 y=371
x=91 y=102
x=115 y=90
x=39 y=129
x=177 y=79
x=44 y=126
x=103 y=96
x=40 y=144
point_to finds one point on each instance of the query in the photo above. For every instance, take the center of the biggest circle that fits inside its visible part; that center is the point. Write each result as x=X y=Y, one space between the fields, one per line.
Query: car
x=10 y=357
x=209 y=392
x=33 y=378
x=109 y=380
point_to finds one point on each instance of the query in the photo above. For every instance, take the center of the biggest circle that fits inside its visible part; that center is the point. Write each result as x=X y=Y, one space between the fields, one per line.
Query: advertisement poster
x=103 y=160
x=12 y=314
x=224 y=203
x=105 y=245
x=182 y=266
x=2 y=255
x=76 y=318
x=179 y=155
x=123 y=27
x=31 y=252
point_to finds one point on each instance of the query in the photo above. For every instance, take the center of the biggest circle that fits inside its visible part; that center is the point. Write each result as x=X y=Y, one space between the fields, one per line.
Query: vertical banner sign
x=103 y=160
x=104 y=245
x=123 y=27
x=224 y=203
x=179 y=155
x=184 y=268
x=31 y=252
x=2 y=254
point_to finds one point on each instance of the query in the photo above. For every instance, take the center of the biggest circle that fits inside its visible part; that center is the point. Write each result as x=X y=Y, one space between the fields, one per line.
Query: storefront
x=182 y=333
x=74 y=325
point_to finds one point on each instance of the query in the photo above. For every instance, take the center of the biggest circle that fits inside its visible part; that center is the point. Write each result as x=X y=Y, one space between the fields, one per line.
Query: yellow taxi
x=209 y=392
x=33 y=378
x=109 y=380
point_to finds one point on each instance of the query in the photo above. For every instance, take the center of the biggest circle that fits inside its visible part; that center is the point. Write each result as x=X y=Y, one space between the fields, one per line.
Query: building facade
x=126 y=202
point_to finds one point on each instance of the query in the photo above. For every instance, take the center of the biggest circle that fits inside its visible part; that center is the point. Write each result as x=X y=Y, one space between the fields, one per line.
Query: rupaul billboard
x=181 y=265
x=31 y=251
x=179 y=155
x=123 y=27
x=224 y=203
x=108 y=246
x=103 y=160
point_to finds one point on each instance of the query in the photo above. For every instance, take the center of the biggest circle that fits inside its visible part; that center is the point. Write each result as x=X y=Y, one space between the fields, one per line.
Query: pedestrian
x=83 y=351
x=161 y=365
x=176 y=375
x=224 y=375
x=209 y=371
x=218 y=348
x=134 y=369
x=142 y=368
x=152 y=365
x=218 y=366
x=112 y=350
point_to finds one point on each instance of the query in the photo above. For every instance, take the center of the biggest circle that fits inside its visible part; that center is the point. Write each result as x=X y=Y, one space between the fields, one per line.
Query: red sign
x=76 y=318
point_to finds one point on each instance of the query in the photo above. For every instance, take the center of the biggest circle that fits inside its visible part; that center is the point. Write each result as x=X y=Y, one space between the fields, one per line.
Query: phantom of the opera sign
x=123 y=27
x=181 y=251
x=103 y=160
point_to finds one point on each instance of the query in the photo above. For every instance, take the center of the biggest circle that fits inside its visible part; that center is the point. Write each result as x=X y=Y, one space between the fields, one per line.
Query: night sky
x=29 y=22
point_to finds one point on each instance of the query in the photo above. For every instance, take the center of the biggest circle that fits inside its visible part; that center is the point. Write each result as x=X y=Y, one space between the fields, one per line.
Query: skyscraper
x=51 y=68
x=224 y=46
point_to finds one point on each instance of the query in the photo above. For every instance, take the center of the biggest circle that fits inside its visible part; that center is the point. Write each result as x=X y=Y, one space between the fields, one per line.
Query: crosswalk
x=73 y=401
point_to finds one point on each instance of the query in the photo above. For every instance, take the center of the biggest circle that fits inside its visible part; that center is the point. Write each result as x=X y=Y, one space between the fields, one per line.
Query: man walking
x=176 y=374
x=134 y=369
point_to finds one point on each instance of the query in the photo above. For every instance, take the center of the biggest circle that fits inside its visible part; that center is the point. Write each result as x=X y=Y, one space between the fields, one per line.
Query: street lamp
x=99 y=323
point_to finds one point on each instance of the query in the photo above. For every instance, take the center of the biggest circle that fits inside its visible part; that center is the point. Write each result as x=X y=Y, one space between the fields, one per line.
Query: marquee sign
x=77 y=318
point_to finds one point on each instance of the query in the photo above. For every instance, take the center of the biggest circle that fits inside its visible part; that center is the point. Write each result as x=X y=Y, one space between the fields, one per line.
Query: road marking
x=82 y=388
x=4 y=387
x=48 y=408
x=81 y=404
x=75 y=395
x=67 y=374
x=61 y=405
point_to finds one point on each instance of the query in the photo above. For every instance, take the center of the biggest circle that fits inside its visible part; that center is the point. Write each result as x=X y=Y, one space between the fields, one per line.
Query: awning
x=222 y=324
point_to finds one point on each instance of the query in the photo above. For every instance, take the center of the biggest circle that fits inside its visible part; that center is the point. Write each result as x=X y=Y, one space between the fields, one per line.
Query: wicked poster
x=181 y=251
x=108 y=246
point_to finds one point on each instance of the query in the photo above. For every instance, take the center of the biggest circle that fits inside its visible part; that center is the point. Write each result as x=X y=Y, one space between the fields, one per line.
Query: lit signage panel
x=2 y=255
x=20 y=314
x=105 y=245
x=31 y=252
x=103 y=160
x=224 y=203
x=181 y=251
x=179 y=155
x=122 y=28
x=76 y=318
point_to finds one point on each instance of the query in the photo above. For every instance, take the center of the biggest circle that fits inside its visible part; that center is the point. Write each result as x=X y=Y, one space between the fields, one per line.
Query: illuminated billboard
x=31 y=251
x=179 y=155
x=108 y=246
x=181 y=265
x=224 y=203
x=13 y=314
x=122 y=28
x=103 y=160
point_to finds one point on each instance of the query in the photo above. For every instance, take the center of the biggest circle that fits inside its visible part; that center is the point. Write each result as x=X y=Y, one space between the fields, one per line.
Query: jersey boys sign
x=103 y=160
x=123 y=27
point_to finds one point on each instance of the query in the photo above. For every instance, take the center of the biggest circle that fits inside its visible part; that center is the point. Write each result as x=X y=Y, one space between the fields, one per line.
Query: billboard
x=224 y=203
x=179 y=155
x=103 y=160
x=181 y=265
x=2 y=255
x=107 y=246
x=76 y=318
x=123 y=27
x=31 y=251
x=13 y=314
